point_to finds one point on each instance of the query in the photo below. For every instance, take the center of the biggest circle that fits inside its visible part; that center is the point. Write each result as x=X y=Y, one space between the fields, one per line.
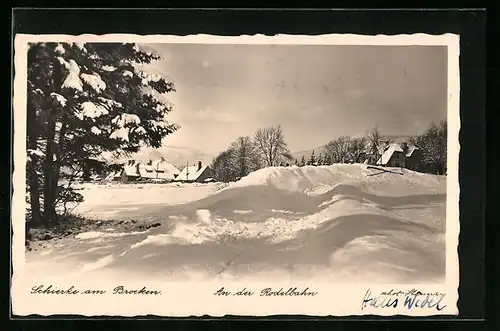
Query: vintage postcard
x=248 y=175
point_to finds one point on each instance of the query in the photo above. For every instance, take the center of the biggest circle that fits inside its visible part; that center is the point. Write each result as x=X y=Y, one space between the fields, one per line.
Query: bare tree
x=224 y=167
x=339 y=149
x=357 y=149
x=375 y=139
x=271 y=145
x=246 y=157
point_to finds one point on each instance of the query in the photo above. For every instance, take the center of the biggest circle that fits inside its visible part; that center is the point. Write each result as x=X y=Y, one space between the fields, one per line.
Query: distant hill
x=175 y=155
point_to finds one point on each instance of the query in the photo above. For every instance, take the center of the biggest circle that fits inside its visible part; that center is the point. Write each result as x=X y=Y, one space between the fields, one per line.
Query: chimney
x=199 y=165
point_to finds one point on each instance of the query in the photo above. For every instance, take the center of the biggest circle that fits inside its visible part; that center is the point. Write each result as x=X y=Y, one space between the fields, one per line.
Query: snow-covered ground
x=334 y=223
x=112 y=200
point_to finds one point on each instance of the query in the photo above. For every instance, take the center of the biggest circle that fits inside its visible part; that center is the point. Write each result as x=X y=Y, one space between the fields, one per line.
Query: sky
x=315 y=92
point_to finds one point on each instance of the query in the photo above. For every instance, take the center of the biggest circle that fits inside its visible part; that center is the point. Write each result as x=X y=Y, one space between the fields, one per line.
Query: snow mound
x=318 y=180
x=204 y=216
x=101 y=263
x=303 y=179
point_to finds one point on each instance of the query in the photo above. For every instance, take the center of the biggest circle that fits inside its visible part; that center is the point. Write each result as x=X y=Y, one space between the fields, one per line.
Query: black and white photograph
x=237 y=161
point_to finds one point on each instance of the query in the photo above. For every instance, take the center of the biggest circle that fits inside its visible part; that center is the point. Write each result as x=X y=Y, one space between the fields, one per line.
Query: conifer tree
x=327 y=160
x=302 y=161
x=83 y=100
x=320 y=159
x=312 y=159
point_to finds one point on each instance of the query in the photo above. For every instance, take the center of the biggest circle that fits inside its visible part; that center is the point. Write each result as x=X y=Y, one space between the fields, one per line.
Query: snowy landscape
x=337 y=223
x=181 y=162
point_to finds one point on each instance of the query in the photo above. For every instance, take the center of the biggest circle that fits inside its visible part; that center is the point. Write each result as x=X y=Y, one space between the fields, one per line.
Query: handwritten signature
x=412 y=299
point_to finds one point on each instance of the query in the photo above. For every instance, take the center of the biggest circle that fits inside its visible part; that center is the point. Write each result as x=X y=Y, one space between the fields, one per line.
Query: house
x=197 y=173
x=393 y=156
x=113 y=176
x=130 y=171
x=159 y=170
x=413 y=157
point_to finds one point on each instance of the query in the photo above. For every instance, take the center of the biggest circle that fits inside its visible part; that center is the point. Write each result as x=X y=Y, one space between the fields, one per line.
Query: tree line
x=267 y=148
x=431 y=144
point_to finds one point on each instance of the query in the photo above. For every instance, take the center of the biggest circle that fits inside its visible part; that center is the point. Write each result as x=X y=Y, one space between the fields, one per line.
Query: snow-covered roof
x=410 y=151
x=386 y=156
x=165 y=166
x=130 y=170
x=158 y=169
x=113 y=175
x=190 y=173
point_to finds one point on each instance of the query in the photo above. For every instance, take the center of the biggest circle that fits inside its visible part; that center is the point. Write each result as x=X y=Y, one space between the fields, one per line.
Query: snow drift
x=340 y=222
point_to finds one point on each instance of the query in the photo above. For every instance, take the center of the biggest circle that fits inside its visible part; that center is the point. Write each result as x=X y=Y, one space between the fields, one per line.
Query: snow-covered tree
x=327 y=159
x=320 y=159
x=357 y=149
x=83 y=100
x=433 y=146
x=270 y=143
x=302 y=161
x=312 y=159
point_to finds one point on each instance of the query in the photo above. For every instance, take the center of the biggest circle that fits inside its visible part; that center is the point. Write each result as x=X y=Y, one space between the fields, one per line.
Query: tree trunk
x=36 y=216
x=58 y=153
x=49 y=171
x=34 y=188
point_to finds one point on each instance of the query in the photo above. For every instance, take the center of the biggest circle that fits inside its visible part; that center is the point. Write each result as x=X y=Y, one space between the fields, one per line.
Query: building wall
x=414 y=162
x=397 y=160
x=207 y=173
x=125 y=178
